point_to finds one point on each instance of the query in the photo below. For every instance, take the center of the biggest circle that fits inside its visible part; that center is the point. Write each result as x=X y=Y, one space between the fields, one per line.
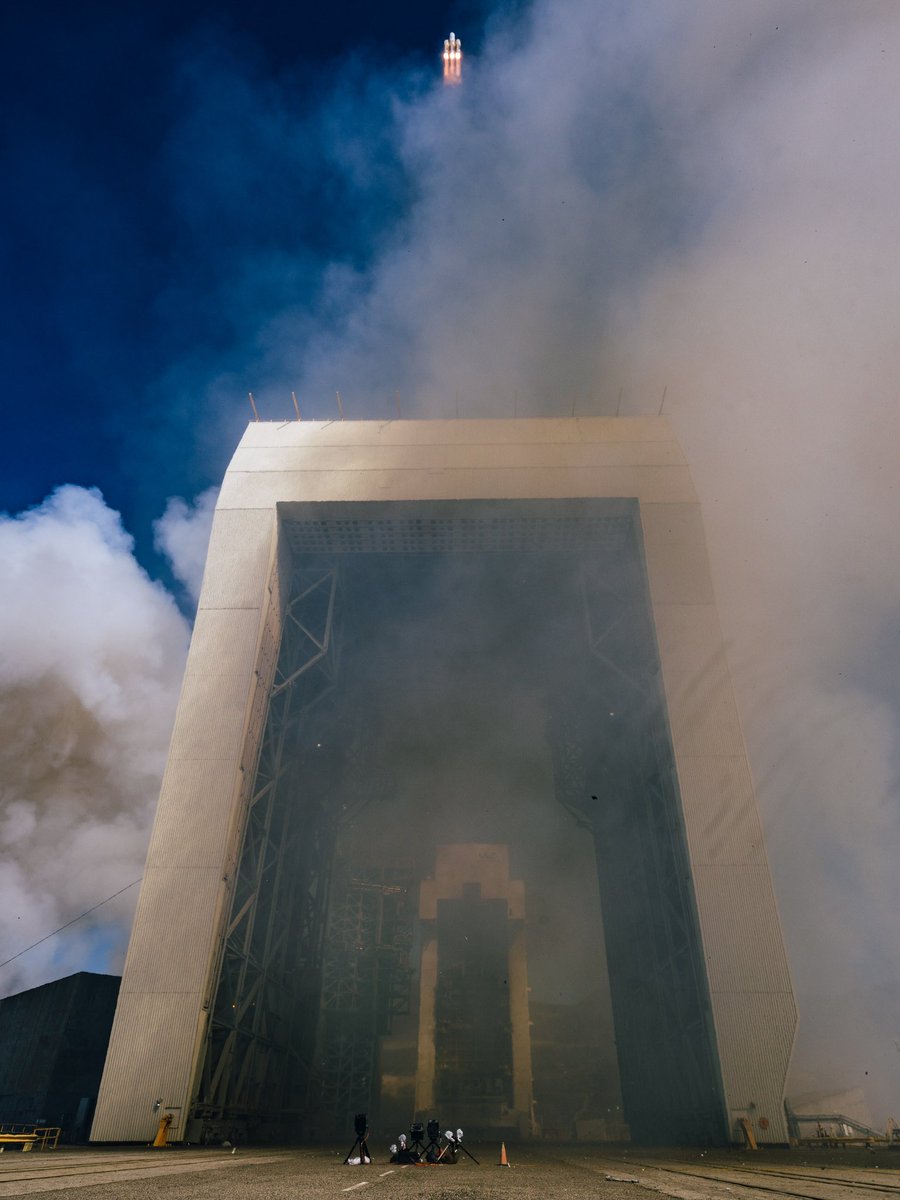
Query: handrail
x=30 y=1137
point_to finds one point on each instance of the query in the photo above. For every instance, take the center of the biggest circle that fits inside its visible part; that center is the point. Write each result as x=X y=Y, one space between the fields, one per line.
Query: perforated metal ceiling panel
x=465 y=527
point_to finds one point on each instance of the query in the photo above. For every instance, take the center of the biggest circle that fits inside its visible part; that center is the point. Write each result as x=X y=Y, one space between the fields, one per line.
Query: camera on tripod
x=361 y=1127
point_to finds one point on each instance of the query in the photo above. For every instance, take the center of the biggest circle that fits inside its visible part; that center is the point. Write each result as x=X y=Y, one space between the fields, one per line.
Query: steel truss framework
x=367 y=982
x=259 y=1038
x=615 y=771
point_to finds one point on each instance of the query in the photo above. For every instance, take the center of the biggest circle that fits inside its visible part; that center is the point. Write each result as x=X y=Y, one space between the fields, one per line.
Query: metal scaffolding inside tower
x=259 y=1039
x=366 y=984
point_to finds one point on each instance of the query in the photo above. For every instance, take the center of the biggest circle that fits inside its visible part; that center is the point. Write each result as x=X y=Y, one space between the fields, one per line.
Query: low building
x=53 y=1043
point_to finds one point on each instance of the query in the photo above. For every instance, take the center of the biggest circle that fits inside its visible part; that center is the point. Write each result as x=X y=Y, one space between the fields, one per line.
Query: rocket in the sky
x=452 y=59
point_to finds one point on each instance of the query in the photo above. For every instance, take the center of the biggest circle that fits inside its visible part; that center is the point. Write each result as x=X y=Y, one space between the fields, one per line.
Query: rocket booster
x=452 y=59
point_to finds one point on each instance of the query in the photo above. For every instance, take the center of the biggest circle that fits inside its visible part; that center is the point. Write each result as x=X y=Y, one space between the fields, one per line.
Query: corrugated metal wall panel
x=254 y=490
x=228 y=638
x=722 y=824
x=690 y=639
x=174 y=943
x=750 y=988
x=755 y=1032
x=157 y=1034
x=378 y=434
x=174 y=927
x=702 y=712
x=237 y=566
x=470 y=456
x=741 y=931
x=195 y=834
x=211 y=715
x=675 y=551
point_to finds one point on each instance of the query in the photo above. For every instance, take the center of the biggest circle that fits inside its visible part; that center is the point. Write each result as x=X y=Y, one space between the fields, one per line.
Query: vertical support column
x=613 y=756
x=259 y=1037
x=752 y=1001
x=428 y=978
x=160 y=1023
x=523 y=1090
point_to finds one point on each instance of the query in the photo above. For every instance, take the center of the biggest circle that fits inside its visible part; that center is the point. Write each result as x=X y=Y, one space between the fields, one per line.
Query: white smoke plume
x=182 y=535
x=91 y=656
x=774 y=336
x=691 y=206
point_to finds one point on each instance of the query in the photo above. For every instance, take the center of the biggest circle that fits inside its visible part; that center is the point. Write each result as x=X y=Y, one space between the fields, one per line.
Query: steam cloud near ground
x=91 y=657
x=693 y=197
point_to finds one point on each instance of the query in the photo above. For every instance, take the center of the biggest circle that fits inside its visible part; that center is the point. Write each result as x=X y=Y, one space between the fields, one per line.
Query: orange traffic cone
x=504 y=1161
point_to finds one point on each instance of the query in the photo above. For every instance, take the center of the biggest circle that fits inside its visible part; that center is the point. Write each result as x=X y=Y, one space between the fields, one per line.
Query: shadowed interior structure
x=542 y=599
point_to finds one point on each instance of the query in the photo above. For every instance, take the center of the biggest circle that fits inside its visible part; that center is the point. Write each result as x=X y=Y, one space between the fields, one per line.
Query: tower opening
x=472 y=673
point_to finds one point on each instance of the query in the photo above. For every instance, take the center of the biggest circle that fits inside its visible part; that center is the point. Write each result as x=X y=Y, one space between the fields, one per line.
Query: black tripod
x=454 y=1145
x=416 y=1146
x=433 y=1151
x=361 y=1125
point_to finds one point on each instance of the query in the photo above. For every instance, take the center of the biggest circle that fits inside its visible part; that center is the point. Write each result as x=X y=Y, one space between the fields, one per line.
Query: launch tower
x=418 y=641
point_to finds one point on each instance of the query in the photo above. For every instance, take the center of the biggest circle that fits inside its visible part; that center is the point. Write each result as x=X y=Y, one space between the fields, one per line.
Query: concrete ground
x=566 y=1172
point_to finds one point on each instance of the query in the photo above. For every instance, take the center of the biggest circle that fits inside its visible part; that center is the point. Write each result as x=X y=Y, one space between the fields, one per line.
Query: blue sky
x=139 y=177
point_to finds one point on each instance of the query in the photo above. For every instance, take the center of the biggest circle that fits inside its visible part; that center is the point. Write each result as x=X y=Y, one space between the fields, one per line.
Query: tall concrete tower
x=495 y=635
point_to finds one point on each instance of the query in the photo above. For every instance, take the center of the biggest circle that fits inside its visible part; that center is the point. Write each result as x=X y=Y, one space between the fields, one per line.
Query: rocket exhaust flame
x=452 y=59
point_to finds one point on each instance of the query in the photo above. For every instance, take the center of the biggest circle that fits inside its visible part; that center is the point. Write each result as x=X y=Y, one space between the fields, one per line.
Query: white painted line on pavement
x=353 y=1187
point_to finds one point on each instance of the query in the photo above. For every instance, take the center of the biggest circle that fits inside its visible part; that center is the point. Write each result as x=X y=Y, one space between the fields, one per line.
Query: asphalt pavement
x=537 y=1172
